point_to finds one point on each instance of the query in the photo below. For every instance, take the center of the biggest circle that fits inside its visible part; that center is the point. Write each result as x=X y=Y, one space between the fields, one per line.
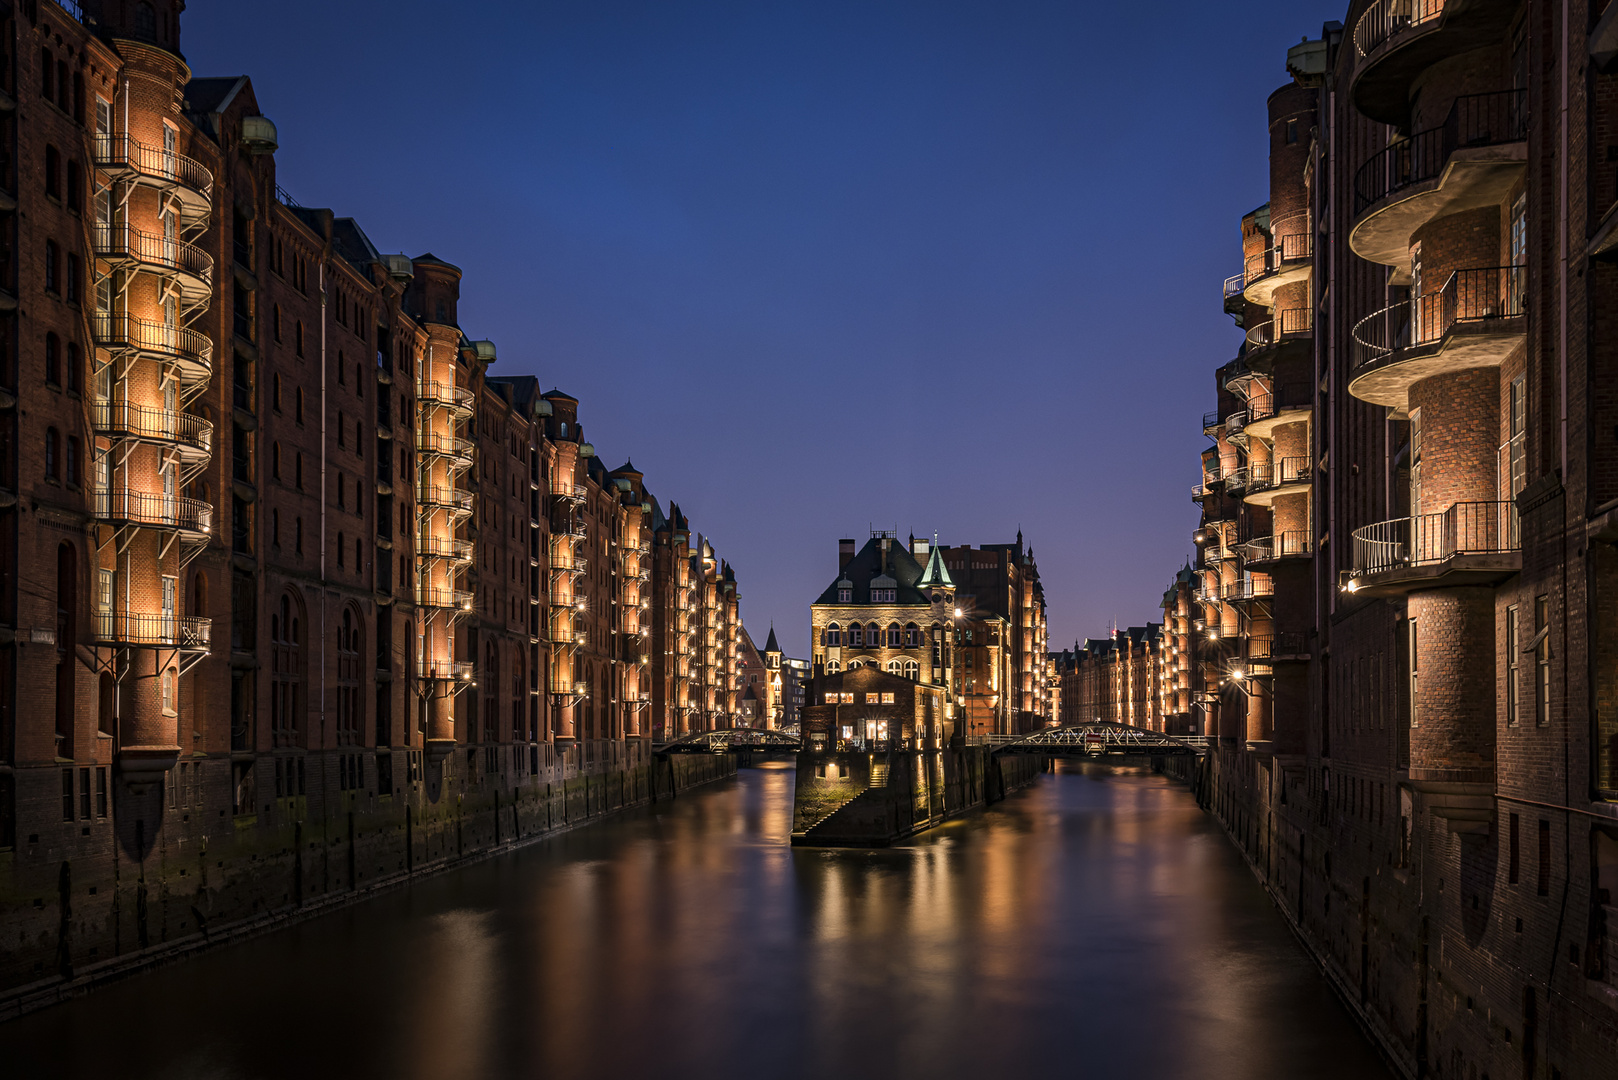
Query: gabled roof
x=867 y=564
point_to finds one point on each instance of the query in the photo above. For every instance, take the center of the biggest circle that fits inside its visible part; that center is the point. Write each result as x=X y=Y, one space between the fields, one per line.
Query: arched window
x=873 y=636
x=854 y=665
x=892 y=667
x=833 y=667
x=275 y=321
x=145 y=22
x=856 y=634
x=834 y=635
x=912 y=635
x=67 y=607
x=53 y=468
x=912 y=670
x=287 y=670
x=491 y=695
x=53 y=359
x=894 y=639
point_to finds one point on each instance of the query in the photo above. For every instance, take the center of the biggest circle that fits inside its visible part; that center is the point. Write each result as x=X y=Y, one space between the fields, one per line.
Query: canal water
x=1094 y=925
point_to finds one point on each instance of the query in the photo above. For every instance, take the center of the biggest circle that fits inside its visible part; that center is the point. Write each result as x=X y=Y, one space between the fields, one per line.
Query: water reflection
x=1094 y=925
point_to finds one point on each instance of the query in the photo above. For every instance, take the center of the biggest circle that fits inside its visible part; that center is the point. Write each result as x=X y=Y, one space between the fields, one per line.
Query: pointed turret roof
x=936 y=573
x=770 y=645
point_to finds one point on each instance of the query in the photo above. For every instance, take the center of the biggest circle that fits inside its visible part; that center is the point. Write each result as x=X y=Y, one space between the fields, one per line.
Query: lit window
x=168 y=690
x=887 y=699
x=873 y=699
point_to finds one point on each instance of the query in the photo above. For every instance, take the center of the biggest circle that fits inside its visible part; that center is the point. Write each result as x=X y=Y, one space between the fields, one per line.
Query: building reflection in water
x=1094 y=925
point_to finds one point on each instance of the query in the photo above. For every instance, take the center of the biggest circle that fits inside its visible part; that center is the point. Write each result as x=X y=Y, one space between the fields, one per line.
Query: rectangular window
x=887 y=699
x=1513 y=669
x=1542 y=660
x=1543 y=887
x=1513 y=861
x=101 y=791
x=84 y=794
x=1517 y=452
x=67 y=794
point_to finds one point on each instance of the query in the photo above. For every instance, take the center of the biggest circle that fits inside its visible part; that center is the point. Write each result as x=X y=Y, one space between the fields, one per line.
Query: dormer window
x=845 y=596
x=884 y=596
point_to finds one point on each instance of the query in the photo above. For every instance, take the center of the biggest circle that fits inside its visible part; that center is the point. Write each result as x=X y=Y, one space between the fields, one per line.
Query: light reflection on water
x=1094 y=925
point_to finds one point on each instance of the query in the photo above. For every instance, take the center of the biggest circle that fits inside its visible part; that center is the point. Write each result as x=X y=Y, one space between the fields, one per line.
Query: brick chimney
x=845 y=553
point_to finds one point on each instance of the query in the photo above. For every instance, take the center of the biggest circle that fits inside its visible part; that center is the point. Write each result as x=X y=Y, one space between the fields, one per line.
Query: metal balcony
x=1289 y=259
x=1397 y=41
x=445 y=599
x=444 y=670
x=1290 y=544
x=1469 y=543
x=189 y=351
x=148 y=630
x=1275 y=478
x=186 y=179
x=458 y=452
x=191 y=435
x=569 y=492
x=155 y=511
x=1474 y=320
x=1473 y=159
x=455 y=500
x=457 y=399
x=189 y=265
x=443 y=547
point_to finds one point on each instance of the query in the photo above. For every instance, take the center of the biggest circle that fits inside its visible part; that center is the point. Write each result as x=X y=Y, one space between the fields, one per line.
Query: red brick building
x=286 y=569
x=1404 y=619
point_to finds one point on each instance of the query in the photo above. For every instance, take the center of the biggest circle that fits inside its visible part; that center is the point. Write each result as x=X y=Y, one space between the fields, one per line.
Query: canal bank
x=688 y=938
x=310 y=849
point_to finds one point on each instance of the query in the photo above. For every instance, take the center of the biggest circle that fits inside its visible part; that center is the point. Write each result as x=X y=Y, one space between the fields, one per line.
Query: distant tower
x=774 y=701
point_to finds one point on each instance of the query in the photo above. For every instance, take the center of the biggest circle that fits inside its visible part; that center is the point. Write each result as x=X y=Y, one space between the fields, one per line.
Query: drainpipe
x=1562 y=238
x=323 y=623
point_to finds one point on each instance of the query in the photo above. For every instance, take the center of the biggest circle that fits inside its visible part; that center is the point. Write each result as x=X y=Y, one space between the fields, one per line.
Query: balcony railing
x=1468 y=296
x=123 y=242
x=441 y=393
x=438 y=495
x=1247 y=589
x=444 y=445
x=1291 y=322
x=1266 y=402
x=568 y=491
x=1293 y=543
x=455 y=599
x=457 y=670
x=1210 y=419
x=153 y=630
x=1233 y=286
x=440 y=547
x=1467 y=528
x=1291 y=248
x=1292 y=470
x=1385 y=18
x=158 y=510
x=159 y=425
x=117 y=152
x=1474 y=120
x=119 y=331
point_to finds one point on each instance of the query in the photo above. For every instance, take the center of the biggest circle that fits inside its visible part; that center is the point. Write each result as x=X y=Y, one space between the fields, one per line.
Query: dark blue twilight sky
x=934 y=265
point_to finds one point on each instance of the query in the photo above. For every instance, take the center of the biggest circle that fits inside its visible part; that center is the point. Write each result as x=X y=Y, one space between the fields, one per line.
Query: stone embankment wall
x=873 y=799
x=154 y=896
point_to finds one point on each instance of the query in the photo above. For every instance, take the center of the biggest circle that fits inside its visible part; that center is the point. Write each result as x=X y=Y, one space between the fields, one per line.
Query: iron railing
x=122 y=152
x=429 y=668
x=444 y=445
x=1386 y=18
x=458 y=599
x=1252 y=588
x=153 y=249
x=120 y=331
x=143 y=422
x=1286 y=544
x=1210 y=419
x=440 y=547
x=1496 y=292
x=438 y=495
x=159 y=510
x=1287 y=323
x=1491 y=119
x=1291 y=248
x=1292 y=470
x=153 y=629
x=441 y=393
x=1267 y=401
x=1467 y=528
x=1233 y=286
x=567 y=491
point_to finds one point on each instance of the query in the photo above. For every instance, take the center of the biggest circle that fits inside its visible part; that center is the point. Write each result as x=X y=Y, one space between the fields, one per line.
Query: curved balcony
x=191 y=436
x=445 y=599
x=1474 y=321
x=453 y=449
x=1266 y=338
x=1211 y=422
x=1398 y=40
x=446 y=670
x=1291 y=544
x=1287 y=261
x=1235 y=304
x=1253 y=588
x=190 y=352
x=443 y=547
x=571 y=530
x=1471 y=160
x=152 y=630
x=120 y=506
x=190 y=266
x=454 y=500
x=568 y=492
x=457 y=399
x=568 y=564
x=1471 y=543
x=1236 y=480
x=1268 y=407
x=188 y=180
x=1267 y=482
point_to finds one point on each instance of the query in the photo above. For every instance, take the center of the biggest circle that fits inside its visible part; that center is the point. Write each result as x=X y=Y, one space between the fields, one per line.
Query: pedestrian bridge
x=1100 y=738
x=733 y=740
